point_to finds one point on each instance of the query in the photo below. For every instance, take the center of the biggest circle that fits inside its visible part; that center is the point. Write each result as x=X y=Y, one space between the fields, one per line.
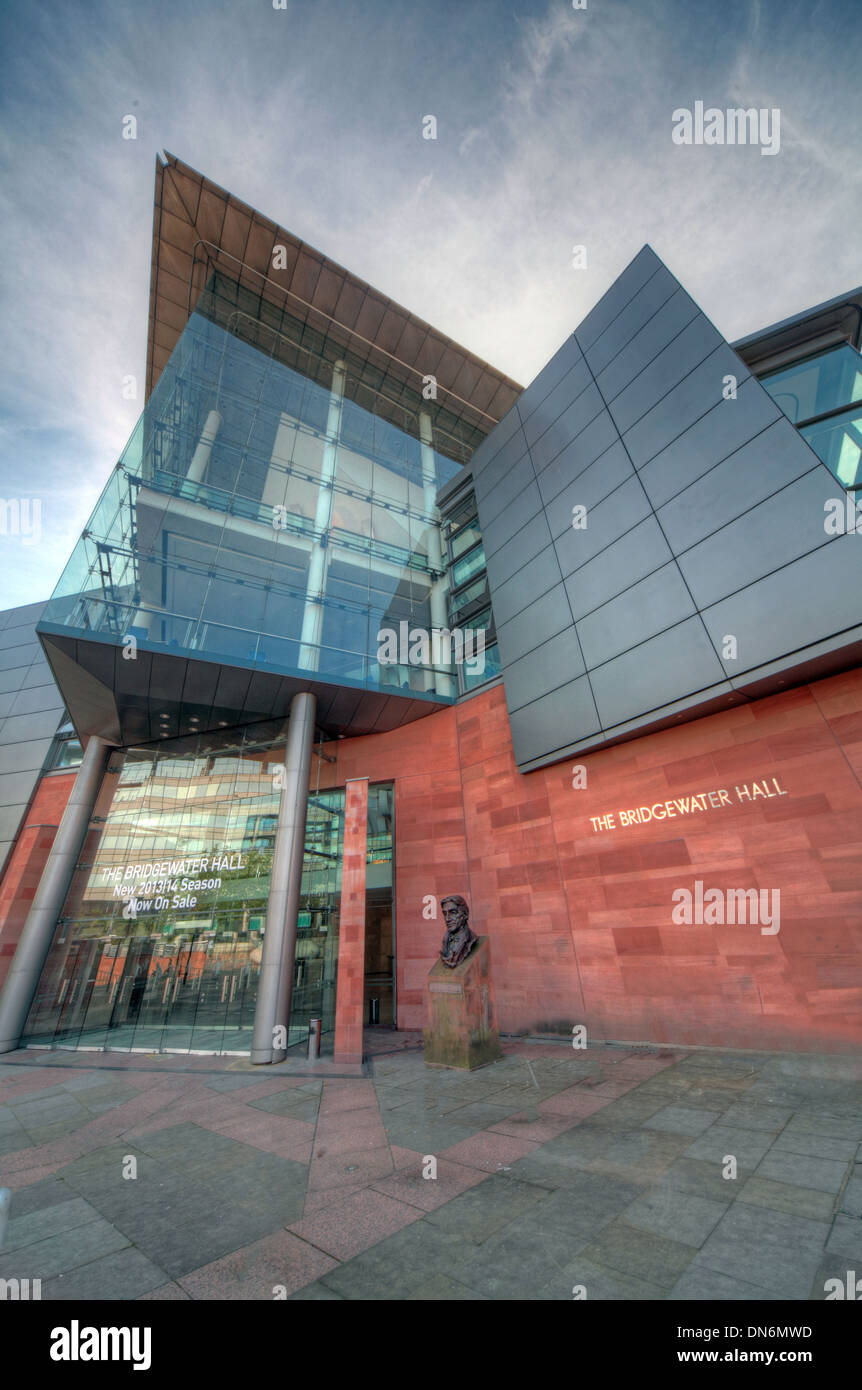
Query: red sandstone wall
x=27 y=860
x=580 y=921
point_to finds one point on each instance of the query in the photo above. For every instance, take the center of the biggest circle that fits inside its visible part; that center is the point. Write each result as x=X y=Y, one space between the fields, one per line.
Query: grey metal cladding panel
x=637 y=312
x=589 y=488
x=167 y=676
x=628 y=560
x=21 y=654
x=544 y=618
x=535 y=579
x=504 y=491
x=15 y=637
x=660 y=671
x=689 y=348
x=762 y=466
x=562 y=717
x=29 y=726
x=18 y=758
x=779 y=530
x=621 y=292
x=557 y=367
x=40 y=673
x=494 y=442
x=659 y=333
x=557 y=662
x=573 y=384
x=660 y=601
x=578 y=455
x=39 y=697
x=606 y=522
x=573 y=421
x=511 y=452
x=504 y=526
x=685 y=403
x=10 y=819
x=529 y=539
x=26 y=616
x=7 y=700
x=709 y=440
x=806 y=602
x=14 y=678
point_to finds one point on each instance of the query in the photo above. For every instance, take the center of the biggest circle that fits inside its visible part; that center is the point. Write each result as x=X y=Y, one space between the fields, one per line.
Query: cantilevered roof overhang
x=199 y=228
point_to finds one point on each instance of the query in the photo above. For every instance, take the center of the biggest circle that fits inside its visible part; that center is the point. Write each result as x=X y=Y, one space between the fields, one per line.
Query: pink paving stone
x=355 y=1224
x=163 y=1294
x=641 y=1067
x=29 y=1176
x=575 y=1102
x=404 y=1158
x=537 y=1131
x=347 y=1095
x=349 y=1170
x=287 y=1140
x=348 y=1142
x=408 y=1184
x=488 y=1151
x=278 y=1261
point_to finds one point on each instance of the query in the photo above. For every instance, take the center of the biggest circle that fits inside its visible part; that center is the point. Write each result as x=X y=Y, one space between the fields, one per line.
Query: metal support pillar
x=35 y=943
x=275 y=987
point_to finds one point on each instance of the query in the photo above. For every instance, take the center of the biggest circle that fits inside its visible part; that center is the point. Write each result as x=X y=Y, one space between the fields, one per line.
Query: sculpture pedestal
x=463 y=1017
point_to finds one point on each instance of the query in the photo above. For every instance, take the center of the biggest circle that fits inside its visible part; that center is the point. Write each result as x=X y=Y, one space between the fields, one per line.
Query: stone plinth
x=462 y=1031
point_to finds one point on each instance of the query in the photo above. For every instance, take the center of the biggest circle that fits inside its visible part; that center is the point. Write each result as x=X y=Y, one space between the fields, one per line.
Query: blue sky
x=554 y=130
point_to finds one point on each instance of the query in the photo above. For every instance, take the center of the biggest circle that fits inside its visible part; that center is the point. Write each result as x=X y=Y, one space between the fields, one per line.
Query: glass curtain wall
x=275 y=507
x=160 y=941
x=822 y=395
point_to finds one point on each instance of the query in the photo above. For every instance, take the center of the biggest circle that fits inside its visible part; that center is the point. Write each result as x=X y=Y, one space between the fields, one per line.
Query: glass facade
x=275 y=508
x=160 y=940
x=469 y=594
x=822 y=395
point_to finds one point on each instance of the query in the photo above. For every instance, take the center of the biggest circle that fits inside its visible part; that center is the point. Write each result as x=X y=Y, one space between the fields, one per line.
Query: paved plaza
x=601 y=1171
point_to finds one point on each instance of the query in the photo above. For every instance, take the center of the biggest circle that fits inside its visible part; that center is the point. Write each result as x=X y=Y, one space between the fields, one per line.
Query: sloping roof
x=199 y=227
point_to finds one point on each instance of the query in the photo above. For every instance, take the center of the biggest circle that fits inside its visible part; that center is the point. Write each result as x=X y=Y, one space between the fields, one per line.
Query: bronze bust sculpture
x=460 y=938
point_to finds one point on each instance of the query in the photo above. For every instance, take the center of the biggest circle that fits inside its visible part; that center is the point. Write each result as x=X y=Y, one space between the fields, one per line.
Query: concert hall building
x=358 y=622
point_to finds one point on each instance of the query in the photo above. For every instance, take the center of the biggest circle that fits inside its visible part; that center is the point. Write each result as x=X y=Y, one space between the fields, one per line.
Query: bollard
x=314 y=1026
x=373 y=1010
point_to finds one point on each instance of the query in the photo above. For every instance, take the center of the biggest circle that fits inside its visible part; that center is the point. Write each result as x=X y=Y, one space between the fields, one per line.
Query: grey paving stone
x=482 y=1114
x=600 y=1283
x=586 y=1205
x=698 y=1285
x=704 y=1178
x=125 y=1275
x=816 y=1145
x=315 y=1293
x=680 y=1216
x=845 y=1239
x=821 y=1174
x=851 y=1197
x=517 y=1262
x=682 y=1119
x=484 y=1209
x=748 y=1114
x=444 y=1289
x=747 y=1146
x=832 y=1123
x=48 y=1221
x=776 y=1251
x=645 y=1153
x=640 y=1254
x=396 y=1267
x=782 y=1196
x=37 y=1195
x=62 y=1251
x=849 y=1281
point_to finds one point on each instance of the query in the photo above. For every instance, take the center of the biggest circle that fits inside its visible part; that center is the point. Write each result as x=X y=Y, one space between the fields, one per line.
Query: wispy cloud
x=553 y=130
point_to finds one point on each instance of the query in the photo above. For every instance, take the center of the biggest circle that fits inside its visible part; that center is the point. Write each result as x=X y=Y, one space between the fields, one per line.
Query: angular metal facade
x=703 y=522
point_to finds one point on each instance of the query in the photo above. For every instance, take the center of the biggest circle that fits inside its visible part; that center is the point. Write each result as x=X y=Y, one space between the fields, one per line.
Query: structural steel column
x=312 y=618
x=35 y=943
x=275 y=987
x=439 y=616
x=350 y=995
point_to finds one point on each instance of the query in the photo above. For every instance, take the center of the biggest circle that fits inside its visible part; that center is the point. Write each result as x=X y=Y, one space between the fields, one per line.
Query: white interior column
x=312 y=617
x=201 y=455
x=444 y=684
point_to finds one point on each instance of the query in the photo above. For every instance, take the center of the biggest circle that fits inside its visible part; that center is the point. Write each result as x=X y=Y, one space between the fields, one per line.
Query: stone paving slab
x=556 y=1170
